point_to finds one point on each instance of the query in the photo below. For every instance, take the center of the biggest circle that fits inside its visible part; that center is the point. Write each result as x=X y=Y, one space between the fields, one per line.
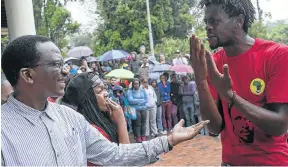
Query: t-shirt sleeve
x=277 y=89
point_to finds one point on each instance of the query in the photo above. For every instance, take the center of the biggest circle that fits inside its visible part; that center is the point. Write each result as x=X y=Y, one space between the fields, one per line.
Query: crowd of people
x=159 y=103
x=240 y=90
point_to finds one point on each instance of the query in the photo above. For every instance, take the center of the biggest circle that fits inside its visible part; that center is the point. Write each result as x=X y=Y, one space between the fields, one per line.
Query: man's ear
x=239 y=21
x=27 y=75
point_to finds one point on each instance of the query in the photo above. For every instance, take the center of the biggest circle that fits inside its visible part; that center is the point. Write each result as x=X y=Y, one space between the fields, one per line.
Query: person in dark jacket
x=159 y=106
x=134 y=64
x=174 y=98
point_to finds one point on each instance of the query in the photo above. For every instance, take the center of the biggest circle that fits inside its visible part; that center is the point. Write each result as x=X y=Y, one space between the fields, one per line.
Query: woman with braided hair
x=88 y=92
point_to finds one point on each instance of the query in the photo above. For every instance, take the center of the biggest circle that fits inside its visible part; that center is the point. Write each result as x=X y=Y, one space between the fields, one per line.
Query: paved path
x=200 y=151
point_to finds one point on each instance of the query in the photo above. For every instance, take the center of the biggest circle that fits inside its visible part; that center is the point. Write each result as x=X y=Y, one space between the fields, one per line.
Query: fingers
x=202 y=52
x=192 y=50
x=180 y=123
x=226 y=71
x=212 y=68
x=109 y=109
x=112 y=102
x=197 y=45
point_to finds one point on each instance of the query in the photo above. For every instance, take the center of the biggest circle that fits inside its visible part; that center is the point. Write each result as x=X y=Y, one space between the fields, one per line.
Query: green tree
x=279 y=32
x=54 y=21
x=83 y=39
x=125 y=23
x=4 y=42
x=258 y=30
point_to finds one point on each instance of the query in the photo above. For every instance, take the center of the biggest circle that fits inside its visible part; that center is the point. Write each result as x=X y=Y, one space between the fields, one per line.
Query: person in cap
x=134 y=64
x=72 y=71
x=180 y=59
x=143 y=71
x=142 y=54
x=82 y=69
x=35 y=132
x=85 y=64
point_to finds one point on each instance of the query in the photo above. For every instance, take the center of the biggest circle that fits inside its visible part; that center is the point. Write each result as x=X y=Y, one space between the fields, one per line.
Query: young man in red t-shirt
x=252 y=93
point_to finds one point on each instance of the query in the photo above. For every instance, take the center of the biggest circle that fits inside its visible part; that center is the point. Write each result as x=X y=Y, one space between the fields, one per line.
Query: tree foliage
x=125 y=23
x=83 y=39
x=53 y=20
x=279 y=32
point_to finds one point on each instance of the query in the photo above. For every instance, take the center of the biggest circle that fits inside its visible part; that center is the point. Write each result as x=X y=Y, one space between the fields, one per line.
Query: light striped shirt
x=59 y=136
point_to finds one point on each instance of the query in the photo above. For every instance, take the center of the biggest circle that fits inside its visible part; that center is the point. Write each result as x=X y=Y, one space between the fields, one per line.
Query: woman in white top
x=151 y=126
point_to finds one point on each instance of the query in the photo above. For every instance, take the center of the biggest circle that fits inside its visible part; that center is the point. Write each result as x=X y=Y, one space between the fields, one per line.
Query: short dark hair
x=135 y=80
x=162 y=75
x=112 y=78
x=21 y=53
x=235 y=8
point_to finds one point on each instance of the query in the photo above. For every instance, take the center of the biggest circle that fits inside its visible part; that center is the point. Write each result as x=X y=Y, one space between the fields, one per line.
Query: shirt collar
x=29 y=113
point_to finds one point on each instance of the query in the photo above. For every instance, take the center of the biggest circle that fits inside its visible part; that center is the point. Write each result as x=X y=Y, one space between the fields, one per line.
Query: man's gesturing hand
x=180 y=133
x=203 y=64
x=197 y=58
x=221 y=82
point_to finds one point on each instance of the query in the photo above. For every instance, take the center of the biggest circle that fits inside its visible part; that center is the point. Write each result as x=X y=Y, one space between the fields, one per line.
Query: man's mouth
x=61 y=80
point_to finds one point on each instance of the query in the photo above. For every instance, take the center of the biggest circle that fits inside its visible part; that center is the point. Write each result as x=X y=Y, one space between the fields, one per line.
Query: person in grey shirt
x=36 y=132
x=187 y=91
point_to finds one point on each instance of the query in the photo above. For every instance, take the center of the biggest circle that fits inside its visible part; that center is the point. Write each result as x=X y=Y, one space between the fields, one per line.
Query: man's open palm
x=180 y=133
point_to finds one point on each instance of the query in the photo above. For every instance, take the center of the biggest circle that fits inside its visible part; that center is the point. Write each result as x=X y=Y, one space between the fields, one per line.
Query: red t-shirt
x=51 y=100
x=261 y=77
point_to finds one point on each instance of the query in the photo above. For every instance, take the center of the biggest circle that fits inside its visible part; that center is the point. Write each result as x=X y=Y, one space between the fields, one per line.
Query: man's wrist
x=170 y=142
x=229 y=95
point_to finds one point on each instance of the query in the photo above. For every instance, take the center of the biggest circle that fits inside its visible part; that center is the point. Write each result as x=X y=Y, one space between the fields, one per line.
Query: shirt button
x=50 y=131
x=58 y=155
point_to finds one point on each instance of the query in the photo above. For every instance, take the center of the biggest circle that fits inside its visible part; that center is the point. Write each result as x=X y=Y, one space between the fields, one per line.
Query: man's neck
x=242 y=45
x=37 y=103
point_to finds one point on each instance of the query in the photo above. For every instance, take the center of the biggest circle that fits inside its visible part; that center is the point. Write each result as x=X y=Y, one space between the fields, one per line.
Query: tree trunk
x=260 y=12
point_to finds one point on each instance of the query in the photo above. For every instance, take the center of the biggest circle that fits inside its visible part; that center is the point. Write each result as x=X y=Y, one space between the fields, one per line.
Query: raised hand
x=221 y=82
x=197 y=58
x=180 y=134
x=116 y=112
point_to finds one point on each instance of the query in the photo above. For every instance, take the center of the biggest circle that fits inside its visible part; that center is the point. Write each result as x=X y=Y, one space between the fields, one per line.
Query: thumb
x=226 y=71
x=210 y=61
x=180 y=123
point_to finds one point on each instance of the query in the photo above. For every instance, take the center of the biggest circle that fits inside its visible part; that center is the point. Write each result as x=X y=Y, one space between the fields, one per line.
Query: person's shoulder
x=66 y=112
x=271 y=48
x=219 y=53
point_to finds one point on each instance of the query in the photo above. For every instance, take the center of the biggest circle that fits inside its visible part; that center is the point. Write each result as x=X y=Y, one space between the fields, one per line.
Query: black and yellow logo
x=257 y=86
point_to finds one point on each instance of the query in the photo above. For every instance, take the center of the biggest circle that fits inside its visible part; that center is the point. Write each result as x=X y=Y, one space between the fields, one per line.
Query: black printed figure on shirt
x=242 y=127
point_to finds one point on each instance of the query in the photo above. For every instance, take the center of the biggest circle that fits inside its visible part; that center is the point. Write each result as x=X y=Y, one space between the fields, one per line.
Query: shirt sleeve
x=102 y=152
x=276 y=88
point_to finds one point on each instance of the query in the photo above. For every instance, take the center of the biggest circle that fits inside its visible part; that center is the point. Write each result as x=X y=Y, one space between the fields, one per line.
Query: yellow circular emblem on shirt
x=257 y=86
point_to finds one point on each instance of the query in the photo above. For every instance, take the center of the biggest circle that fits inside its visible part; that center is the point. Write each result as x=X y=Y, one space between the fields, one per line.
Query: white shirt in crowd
x=151 y=95
x=180 y=60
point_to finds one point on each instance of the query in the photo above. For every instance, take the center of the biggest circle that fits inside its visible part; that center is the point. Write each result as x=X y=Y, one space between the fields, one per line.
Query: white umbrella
x=80 y=51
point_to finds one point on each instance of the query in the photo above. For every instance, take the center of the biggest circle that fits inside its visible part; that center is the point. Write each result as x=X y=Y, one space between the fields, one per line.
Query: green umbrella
x=120 y=73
